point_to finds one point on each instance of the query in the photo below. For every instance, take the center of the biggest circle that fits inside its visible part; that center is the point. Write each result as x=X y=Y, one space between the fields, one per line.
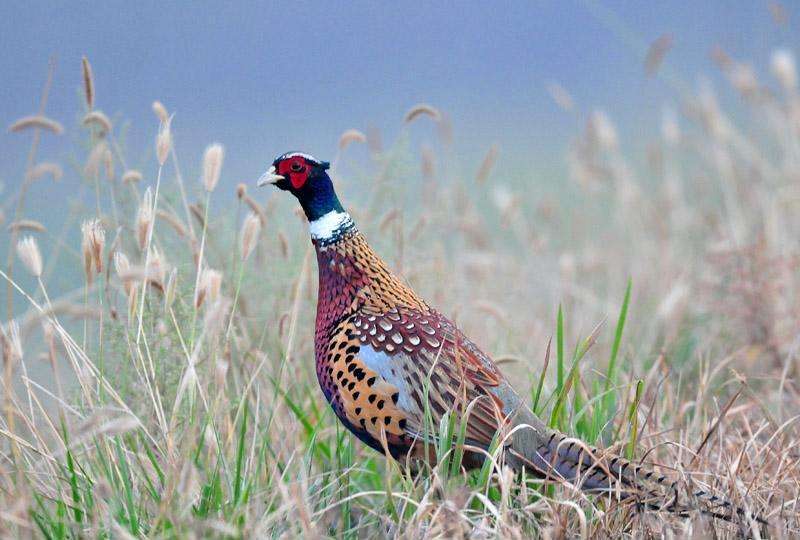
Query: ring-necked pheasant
x=382 y=351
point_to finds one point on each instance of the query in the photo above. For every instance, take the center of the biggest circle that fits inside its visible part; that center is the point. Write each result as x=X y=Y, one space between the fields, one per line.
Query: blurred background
x=586 y=142
x=266 y=77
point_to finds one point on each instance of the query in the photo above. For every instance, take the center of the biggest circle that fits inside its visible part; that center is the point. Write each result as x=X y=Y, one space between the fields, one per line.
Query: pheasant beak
x=270 y=177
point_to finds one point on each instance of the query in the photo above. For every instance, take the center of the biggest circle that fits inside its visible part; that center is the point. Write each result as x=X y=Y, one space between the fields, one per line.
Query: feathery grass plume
x=601 y=131
x=173 y=221
x=209 y=286
x=212 y=166
x=255 y=208
x=656 y=53
x=487 y=164
x=422 y=109
x=144 y=218
x=29 y=254
x=99 y=119
x=12 y=344
x=784 y=68
x=88 y=82
x=250 y=231
x=129 y=278
x=122 y=266
x=503 y=199
x=25 y=225
x=169 y=291
x=351 y=136
x=241 y=190
x=37 y=121
x=49 y=336
x=196 y=210
x=161 y=112
x=93 y=242
x=157 y=269
x=164 y=141
x=39 y=170
x=95 y=159
x=131 y=175
x=561 y=96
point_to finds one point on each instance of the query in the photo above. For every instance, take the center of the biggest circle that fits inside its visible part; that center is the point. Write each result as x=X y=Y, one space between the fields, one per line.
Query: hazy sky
x=266 y=77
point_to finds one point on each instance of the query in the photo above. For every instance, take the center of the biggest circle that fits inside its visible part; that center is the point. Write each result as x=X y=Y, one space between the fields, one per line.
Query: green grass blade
x=623 y=314
x=540 y=385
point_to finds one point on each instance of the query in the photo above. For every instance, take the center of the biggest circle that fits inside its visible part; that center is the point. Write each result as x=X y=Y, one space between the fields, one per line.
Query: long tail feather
x=553 y=456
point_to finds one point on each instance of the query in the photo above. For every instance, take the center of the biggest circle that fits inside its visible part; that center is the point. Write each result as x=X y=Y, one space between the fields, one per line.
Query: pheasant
x=385 y=359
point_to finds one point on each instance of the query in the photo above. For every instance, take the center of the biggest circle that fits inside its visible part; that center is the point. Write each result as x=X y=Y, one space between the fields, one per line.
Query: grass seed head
x=144 y=219
x=131 y=176
x=212 y=166
x=173 y=221
x=561 y=96
x=351 y=136
x=784 y=68
x=164 y=141
x=93 y=241
x=11 y=343
x=169 y=291
x=161 y=112
x=42 y=169
x=250 y=231
x=209 y=287
x=422 y=109
x=99 y=120
x=29 y=254
x=25 y=225
x=130 y=279
x=122 y=265
x=36 y=122
x=601 y=131
x=88 y=82
x=157 y=268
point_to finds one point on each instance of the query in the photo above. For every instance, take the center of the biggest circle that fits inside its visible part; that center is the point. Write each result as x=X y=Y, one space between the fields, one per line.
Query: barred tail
x=553 y=456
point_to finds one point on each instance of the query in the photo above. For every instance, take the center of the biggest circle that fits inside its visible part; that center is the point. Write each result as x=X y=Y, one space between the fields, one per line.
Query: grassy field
x=172 y=392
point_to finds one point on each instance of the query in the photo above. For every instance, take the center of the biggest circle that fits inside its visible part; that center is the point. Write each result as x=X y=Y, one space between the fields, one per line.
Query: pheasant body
x=386 y=361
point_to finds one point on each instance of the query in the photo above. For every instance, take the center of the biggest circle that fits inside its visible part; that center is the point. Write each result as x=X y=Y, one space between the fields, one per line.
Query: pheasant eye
x=296 y=167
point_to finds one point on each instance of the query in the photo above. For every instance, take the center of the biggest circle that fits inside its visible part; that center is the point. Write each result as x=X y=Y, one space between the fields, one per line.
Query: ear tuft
x=325 y=165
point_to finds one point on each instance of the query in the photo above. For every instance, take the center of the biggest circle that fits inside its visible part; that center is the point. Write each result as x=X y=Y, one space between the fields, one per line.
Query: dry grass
x=178 y=395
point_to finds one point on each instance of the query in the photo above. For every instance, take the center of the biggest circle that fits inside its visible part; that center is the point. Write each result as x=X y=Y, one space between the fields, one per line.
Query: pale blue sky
x=266 y=77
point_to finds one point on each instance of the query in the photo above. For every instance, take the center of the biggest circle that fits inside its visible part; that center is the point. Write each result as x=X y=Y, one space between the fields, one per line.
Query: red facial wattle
x=296 y=170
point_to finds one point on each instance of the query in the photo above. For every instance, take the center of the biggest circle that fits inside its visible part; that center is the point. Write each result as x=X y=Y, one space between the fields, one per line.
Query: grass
x=179 y=396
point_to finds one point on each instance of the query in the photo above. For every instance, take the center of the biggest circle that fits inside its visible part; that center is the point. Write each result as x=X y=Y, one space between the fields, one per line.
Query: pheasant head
x=305 y=177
